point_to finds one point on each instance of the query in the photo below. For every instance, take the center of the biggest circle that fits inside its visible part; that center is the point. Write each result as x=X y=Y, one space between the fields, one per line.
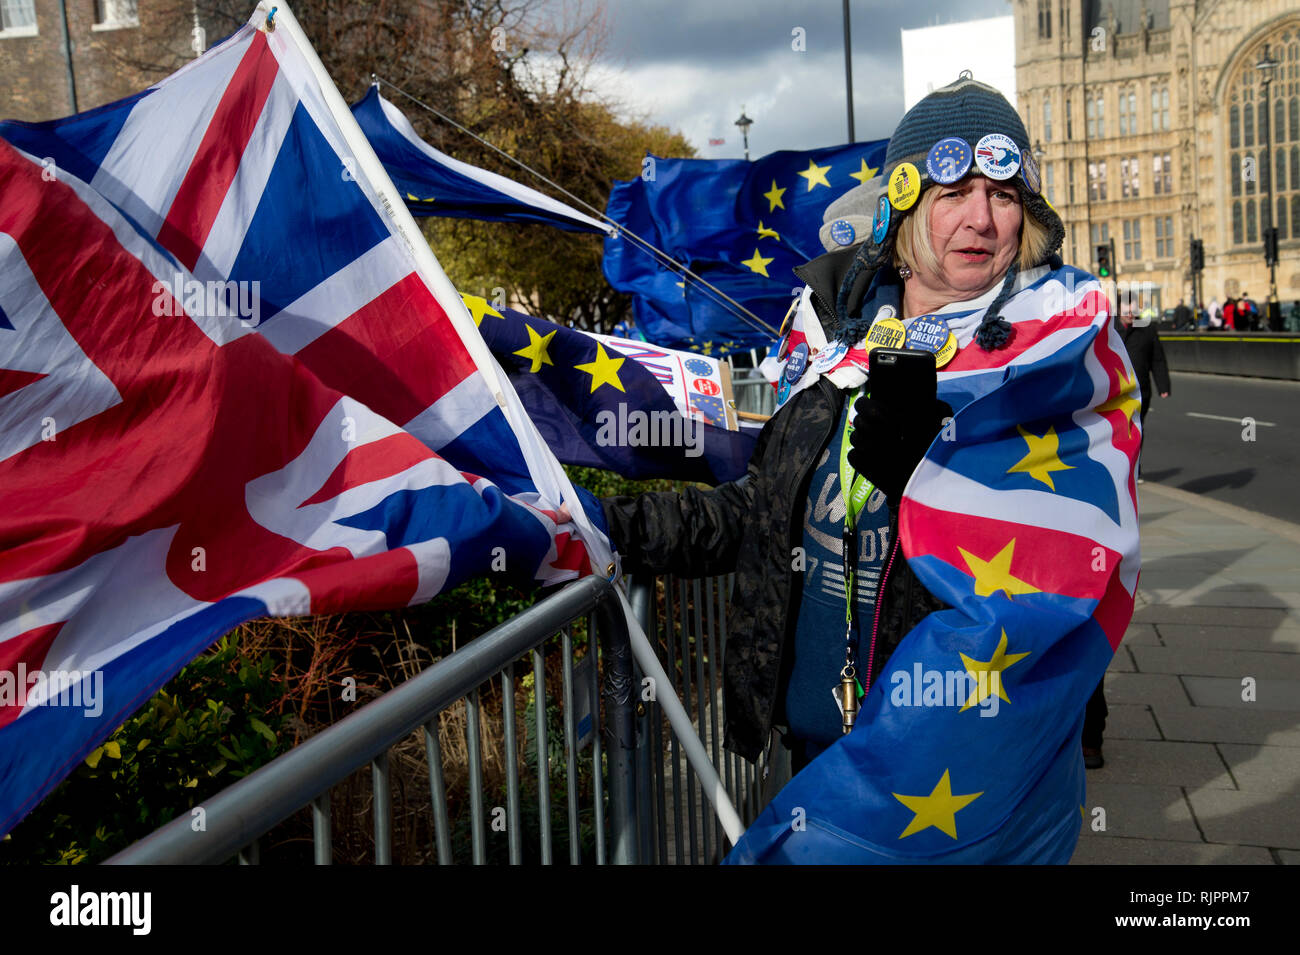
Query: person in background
x=1247 y=313
x=1183 y=316
x=1230 y=314
x=1214 y=318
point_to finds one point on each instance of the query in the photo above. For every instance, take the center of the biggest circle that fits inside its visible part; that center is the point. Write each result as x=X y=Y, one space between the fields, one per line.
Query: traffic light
x=1103 y=261
x=1198 y=255
x=1270 y=246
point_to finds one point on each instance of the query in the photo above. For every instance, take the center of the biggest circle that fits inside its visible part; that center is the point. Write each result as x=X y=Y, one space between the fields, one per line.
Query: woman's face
x=975 y=233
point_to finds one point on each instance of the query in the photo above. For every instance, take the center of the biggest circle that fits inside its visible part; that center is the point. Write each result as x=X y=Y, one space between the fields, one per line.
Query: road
x=1195 y=441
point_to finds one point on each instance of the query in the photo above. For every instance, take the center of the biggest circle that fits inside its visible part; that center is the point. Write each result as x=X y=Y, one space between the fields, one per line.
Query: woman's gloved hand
x=888 y=442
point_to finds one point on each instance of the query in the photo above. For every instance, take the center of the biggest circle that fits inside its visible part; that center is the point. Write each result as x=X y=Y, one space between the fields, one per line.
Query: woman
x=959 y=263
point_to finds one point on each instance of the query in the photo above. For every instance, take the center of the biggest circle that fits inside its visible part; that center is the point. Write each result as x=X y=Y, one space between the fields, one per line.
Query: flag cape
x=434 y=184
x=230 y=385
x=740 y=226
x=1023 y=518
x=637 y=409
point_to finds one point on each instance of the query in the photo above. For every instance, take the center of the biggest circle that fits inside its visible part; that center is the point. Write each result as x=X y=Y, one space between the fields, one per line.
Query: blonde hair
x=912 y=246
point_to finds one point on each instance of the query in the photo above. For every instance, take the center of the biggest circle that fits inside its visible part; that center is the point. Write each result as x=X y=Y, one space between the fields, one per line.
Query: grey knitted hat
x=973 y=121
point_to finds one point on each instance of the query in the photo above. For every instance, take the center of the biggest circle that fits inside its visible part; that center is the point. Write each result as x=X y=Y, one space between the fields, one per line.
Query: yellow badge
x=885 y=333
x=904 y=186
x=946 y=351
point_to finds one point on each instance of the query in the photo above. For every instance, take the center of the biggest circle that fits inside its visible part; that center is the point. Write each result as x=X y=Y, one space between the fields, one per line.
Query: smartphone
x=903 y=378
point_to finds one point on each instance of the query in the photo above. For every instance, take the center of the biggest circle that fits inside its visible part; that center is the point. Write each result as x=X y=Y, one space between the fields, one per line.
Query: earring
x=904 y=272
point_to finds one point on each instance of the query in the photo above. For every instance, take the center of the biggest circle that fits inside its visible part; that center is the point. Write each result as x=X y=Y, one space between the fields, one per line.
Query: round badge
x=842 y=232
x=886 y=333
x=782 y=390
x=885 y=311
x=797 y=363
x=949 y=160
x=997 y=156
x=780 y=346
x=928 y=333
x=946 y=351
x=829 y=357
x=905 y=186
x=1029 y=173
x=880 y=222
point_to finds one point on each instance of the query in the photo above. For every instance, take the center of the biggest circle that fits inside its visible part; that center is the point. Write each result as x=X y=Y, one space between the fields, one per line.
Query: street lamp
x=1266 y=66
x=744 y=123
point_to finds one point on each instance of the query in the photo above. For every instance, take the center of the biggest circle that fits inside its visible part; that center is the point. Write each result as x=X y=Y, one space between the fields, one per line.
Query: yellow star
x=1042 y=458
x=757 y=264
x=535 y=350
x=773 y=196
x=765 y=233
x=939 y=809
x=865 y=173
x=995 y=574
x=604 y=370
x=1126 y=400
x=999 y=663
x=418 y=199
x=478 y=307
x=816 y=175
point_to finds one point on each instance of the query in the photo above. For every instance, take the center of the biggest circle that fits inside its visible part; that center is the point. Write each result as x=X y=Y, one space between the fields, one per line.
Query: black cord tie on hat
x=995 y=331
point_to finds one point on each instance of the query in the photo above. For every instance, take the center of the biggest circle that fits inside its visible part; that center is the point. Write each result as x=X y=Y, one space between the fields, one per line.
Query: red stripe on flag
x=1051 y=561
x=380 y=354
x=1115 y=611
x=28 y=649
x=371 y=462
x=208 y=179
x=379 y=582
x=1027 y=333
x=11 y=381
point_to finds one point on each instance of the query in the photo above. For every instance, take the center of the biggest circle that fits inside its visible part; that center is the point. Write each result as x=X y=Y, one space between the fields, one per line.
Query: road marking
x=1220 y=417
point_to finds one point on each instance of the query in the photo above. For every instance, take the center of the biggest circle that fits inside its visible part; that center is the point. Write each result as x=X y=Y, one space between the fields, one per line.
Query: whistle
x=848 y=697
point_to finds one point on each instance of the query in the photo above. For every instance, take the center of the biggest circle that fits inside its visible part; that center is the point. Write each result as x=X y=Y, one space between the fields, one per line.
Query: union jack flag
x=229 y=387
x=1022 y=517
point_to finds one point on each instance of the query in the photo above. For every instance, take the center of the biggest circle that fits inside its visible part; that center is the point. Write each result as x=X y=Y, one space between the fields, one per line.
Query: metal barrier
x=630 y=792
x=755 y=395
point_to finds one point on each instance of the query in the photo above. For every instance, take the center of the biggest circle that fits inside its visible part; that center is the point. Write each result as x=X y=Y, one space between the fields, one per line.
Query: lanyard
x=855 y=490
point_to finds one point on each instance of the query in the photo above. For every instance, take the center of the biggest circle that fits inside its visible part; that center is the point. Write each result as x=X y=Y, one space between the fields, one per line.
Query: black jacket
x=1148 y=358
x=751 y=527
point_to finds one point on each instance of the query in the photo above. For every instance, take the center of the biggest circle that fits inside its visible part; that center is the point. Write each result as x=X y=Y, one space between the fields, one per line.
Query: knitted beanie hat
x=963 y=128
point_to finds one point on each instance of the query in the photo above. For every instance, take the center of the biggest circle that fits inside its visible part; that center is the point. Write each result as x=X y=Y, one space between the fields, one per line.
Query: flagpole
x=431 y=272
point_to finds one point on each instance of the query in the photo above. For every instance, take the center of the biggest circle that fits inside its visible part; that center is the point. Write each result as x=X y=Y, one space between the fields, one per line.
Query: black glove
x=888 y=442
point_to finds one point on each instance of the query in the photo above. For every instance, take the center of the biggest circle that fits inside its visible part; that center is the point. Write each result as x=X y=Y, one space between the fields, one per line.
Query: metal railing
x=640 y=786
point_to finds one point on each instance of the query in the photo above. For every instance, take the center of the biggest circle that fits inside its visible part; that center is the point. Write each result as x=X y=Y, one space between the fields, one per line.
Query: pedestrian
x=1183 y=316
x=1247 y=313
x=1215 y=321
x=959 y=262
x=1230 y=314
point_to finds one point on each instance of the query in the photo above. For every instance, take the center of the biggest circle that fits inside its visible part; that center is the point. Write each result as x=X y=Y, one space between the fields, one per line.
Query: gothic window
x=1236 y=223
x=1044 y=19
x=1234 y=126
x=1251 y=235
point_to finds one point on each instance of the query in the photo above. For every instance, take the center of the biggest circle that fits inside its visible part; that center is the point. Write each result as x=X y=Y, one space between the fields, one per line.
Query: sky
x=692 y=64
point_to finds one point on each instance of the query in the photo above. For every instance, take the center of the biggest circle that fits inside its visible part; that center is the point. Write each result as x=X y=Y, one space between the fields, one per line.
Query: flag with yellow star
x=604 y=403
x=741 y=227
x=1022 y=519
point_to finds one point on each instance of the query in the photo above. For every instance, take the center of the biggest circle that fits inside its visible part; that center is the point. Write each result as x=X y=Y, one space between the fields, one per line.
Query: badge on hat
x=782 y=390
x=829 y=357
x=797 y=363
x=949 y=160
x=932 y=334
x=842 y=232
x=1029 y=172
x=880 y=222
x=997 y=156
x=905 y=186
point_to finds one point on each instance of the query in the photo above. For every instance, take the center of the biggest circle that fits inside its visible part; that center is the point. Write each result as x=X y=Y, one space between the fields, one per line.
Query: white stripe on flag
x=455 y=412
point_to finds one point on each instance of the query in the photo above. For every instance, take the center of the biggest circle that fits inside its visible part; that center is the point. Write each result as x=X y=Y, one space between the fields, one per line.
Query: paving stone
x=1225 y=693
x=1122 y=661
x=1289 y=856
x=1207 y=724
x=1248 y=818
x=1224 y=663
x=1268 y=618
x=1274 y=769
x=1141 y=634
x=1141 y=812
x=1161 y=763
x=1219 y=595
x=1116 y=851
x=1130 y=721
x=1285 y=639
x=1150 y=688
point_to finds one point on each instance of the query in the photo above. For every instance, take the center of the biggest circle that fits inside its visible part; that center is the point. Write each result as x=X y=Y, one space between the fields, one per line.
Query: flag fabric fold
x=640 y=410
x=740 y=226
x=229 y=387
x=434 y=184
x=1023 y=518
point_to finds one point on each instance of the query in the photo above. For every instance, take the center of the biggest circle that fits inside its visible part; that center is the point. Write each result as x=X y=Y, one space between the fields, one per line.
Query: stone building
x=1151 y=120
x=116 y=48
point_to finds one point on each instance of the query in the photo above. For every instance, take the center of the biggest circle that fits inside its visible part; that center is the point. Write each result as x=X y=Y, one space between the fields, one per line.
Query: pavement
x=1202 y=745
